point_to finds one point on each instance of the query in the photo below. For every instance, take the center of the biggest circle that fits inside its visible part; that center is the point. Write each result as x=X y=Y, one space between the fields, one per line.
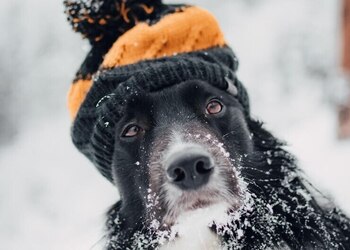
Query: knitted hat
x=140 y=46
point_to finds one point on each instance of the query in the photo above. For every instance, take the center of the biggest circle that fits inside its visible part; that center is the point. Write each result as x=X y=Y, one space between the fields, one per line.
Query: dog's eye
x=214 y=107
x=132 y=131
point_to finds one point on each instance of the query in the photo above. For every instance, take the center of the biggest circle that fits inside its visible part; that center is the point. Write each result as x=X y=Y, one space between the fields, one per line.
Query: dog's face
x=178 y=150
x=183 y=149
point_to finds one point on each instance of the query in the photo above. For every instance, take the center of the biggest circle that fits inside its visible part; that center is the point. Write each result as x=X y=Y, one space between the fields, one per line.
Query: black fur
x=280 y=208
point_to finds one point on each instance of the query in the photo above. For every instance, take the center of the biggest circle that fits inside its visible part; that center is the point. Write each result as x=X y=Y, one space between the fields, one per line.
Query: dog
x=199 y=151
x=157 y=107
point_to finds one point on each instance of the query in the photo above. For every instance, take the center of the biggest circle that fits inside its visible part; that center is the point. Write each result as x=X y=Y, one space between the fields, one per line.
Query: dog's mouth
x=200 y=203
x=195 y=200
x=206 y=197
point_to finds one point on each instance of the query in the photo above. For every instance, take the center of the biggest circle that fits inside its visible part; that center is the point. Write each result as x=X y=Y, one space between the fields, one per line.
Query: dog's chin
x=199 y=202
x=199 y=218
x=193 y=227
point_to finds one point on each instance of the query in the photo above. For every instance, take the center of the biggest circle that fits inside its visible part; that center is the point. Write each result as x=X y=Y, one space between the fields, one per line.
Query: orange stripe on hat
x=76 y=95
x=190 y=30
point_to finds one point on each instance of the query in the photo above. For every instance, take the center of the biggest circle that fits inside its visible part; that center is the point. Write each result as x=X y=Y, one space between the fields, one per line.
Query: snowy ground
x=51 y=197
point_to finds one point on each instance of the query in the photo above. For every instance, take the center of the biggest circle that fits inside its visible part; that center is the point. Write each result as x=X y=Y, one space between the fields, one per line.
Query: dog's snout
x=190 y=171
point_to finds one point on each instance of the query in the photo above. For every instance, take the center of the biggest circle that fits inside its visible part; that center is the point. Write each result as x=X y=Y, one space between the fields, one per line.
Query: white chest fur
x=193 y=230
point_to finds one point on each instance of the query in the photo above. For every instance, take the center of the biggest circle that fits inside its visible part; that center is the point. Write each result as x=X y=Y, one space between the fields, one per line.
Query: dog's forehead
x=184 y=92
x=176 y=103
x=181 y=97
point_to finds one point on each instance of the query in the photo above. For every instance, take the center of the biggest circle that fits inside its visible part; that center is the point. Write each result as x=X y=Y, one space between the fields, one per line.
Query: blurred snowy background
x=51 y=197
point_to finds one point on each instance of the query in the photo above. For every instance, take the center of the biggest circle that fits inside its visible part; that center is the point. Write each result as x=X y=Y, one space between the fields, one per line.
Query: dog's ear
x=107 y=19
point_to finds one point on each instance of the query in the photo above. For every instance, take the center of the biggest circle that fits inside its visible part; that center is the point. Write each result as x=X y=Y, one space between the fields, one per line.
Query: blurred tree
x=7 y=125
x=344 y=112
x=9 y=71
x=346 y=36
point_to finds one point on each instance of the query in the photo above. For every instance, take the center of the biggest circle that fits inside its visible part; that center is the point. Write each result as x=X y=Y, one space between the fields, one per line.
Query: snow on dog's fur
x=256 y=197
x=193 y=168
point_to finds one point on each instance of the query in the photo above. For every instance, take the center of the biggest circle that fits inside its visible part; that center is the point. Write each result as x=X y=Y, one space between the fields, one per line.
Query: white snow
x=51 y=197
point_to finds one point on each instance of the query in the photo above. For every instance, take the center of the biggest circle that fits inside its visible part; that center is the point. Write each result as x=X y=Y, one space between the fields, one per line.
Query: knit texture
x=189 y=29
x=173 y=44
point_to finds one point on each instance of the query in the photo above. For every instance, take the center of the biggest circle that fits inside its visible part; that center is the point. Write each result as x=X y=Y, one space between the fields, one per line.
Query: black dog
x=190 y=146
x=158 y=109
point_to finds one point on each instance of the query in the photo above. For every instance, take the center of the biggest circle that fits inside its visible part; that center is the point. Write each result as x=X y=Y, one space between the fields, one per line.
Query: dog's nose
x=190 y=171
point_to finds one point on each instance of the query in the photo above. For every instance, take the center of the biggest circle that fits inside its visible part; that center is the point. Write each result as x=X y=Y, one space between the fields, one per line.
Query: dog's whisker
x=252 y=178
x=227 y=134
x=265 y=172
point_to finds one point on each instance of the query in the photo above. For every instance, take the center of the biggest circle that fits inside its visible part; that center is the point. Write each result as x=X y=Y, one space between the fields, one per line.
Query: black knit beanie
x=140 y=46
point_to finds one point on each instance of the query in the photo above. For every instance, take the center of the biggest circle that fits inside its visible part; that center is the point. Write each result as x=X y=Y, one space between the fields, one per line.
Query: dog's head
x=172 y=144
x=178 y=150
